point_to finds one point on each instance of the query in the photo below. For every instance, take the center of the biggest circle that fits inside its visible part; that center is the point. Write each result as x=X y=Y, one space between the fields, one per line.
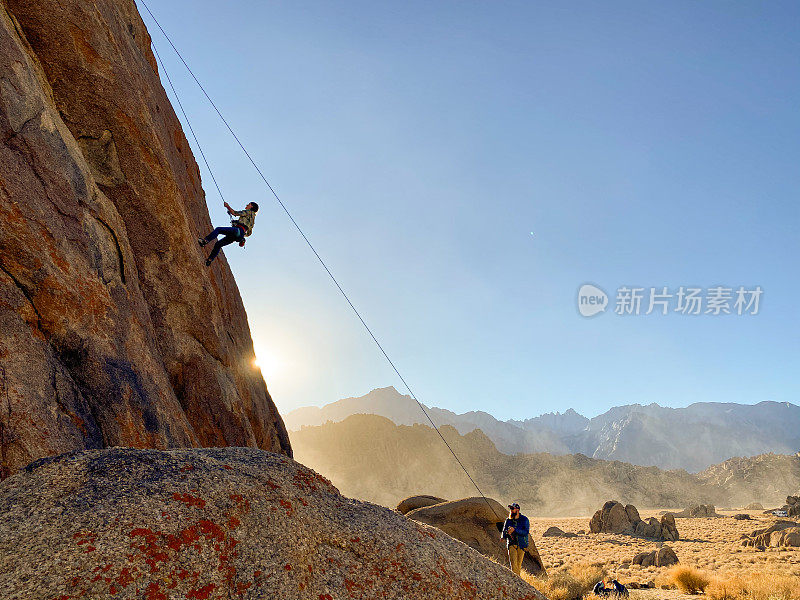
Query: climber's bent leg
x=231 y=235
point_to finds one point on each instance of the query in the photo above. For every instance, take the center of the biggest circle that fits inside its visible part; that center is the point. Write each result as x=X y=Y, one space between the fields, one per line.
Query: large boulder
x=612 y=518
x=476 y=521
x=114 y=331
x=754 y=506
x=669 y=530
x=220 y=523
x=414 y=502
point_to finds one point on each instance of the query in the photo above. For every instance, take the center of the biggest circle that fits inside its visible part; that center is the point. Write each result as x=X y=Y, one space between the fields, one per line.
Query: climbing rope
x=305 y=238
x=186 y=117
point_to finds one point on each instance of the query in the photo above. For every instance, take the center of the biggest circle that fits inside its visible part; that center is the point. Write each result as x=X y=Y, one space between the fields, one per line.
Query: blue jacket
x=521 y=531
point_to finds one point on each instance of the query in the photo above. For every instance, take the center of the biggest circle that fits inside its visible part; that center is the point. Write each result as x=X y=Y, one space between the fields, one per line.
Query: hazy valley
x=371 y=458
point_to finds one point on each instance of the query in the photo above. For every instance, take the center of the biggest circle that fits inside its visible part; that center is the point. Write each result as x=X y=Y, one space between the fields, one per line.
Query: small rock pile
x=616 y=518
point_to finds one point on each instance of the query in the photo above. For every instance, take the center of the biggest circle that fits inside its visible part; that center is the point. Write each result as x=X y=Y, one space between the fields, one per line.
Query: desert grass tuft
x=756 y=586
x=567 y=585
x=687 y=579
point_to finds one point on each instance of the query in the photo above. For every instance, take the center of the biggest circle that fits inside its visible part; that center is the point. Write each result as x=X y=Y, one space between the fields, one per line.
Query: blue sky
x=420 y=143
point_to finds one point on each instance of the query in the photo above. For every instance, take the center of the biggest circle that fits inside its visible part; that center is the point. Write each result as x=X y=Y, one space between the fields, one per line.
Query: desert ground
x=712 y=545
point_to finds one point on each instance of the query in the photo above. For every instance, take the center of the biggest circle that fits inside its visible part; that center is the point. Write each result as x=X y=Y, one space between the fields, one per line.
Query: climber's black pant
x=231 y=234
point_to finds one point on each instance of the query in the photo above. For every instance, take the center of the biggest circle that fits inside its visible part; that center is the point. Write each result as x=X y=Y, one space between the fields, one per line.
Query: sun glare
x=265 y=361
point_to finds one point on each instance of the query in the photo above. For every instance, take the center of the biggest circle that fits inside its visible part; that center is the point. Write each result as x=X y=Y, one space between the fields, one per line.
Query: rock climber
x=515 y=531
x=240 y=228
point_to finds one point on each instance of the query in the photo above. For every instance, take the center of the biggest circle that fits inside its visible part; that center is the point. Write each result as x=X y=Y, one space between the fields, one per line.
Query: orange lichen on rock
x=166 y=546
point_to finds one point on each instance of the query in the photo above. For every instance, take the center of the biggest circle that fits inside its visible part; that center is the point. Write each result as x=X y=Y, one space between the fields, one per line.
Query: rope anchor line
x=302 y=234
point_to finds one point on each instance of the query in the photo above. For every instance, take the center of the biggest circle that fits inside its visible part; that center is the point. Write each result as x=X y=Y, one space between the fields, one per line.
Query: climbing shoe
x=201 y=241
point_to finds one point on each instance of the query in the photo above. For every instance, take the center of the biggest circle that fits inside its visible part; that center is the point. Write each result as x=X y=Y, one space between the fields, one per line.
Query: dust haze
x=370 y=458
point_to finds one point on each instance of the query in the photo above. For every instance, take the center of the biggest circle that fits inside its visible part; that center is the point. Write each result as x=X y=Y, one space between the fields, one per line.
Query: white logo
x=591 y=300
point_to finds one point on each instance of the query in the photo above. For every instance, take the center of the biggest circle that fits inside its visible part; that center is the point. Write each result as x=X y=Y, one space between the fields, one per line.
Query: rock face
x=220 y=523
x=475 y=523
x=781 y=533
x=420 y=501
x=663 y=557
x=616 y=518
x=114 y=332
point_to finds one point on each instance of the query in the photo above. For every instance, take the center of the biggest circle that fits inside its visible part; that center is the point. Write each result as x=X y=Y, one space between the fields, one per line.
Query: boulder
x=754 y=506
x=663 y=557
x=669 y=531
x=649 y=529
x=666 y=557
x=220 y=523
x=114 y=331
x=553 y=532
x=645 y=559
x=742 y=517
x=633 y=514
x=414 y=502
x=614 y=518
x=789 y=537
x=793 y=503
x=476 y=522
x=700 y=511
x=767 y=536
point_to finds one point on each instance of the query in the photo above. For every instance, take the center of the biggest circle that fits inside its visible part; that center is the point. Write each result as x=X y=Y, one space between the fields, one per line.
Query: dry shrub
x=587 y=575
x=567 y=585
x=758 y=586
x=687 y=579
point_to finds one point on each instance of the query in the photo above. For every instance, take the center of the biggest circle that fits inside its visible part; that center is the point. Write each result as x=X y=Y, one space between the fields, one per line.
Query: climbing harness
x=302 y=234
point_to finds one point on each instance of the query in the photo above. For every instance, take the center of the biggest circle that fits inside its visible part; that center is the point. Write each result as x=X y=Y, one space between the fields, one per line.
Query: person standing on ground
x=240 y=228
x=515 y=531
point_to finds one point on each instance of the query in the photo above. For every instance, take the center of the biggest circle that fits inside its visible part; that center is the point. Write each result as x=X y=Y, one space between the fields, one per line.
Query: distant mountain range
x=690 y=438
x=371 y=458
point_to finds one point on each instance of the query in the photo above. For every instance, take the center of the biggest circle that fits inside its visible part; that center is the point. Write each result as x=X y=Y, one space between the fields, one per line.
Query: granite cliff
x=113 y=331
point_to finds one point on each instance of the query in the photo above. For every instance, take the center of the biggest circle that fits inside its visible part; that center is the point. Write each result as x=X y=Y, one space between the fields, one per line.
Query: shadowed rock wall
x=112 y=331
